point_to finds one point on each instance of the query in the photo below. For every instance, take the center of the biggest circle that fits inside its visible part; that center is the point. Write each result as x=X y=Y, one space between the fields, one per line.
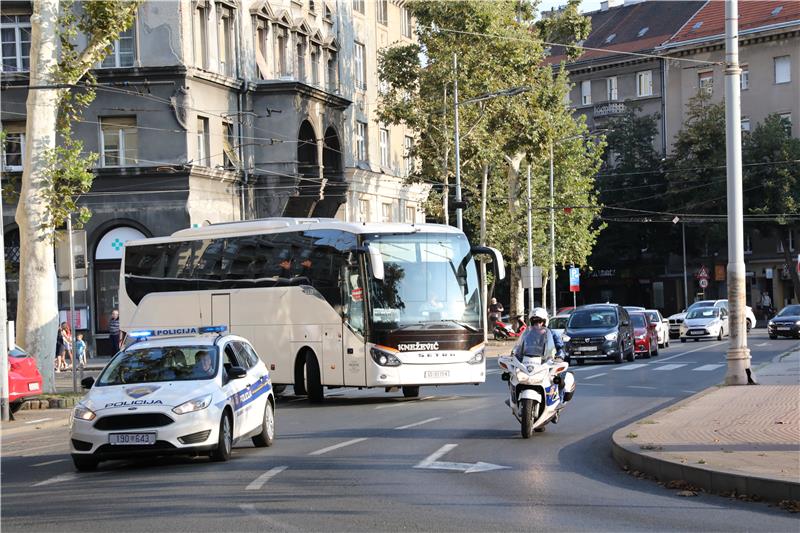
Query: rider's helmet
x=538 y=314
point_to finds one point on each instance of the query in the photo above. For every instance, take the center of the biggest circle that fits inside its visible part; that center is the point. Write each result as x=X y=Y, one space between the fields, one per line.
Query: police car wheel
x=84 y=463
x=225 y=440
x=267 y=435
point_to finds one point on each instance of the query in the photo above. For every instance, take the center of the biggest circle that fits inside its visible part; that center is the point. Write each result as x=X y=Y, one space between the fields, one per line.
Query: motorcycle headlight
x=197 y=404
x=476 y=358
x=565 y=337
x=384 y=358
x=611 y=336
x=82 y=412
x=522 y=377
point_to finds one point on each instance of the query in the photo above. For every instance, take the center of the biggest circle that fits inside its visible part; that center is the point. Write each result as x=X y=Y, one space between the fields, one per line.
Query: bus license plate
x=129 y=439
x=437 y=374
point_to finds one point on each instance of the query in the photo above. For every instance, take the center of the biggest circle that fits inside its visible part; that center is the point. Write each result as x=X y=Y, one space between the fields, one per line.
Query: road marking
x=55 y=444
x=57 y=479
x=595 y=376
x=691 y=351
x=706 y=368
x=432 y=462
x=632 y=367
x=671 y=366
x=763 y=344
x=38 y=420
x=642 y=387
x=493 y=371
x=419 y=423
x=50 y=462
x=337 y=446
x=259 y=482
x=403 y=402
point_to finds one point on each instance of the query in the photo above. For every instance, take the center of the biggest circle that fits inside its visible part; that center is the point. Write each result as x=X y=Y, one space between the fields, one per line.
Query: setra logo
x=417 y=346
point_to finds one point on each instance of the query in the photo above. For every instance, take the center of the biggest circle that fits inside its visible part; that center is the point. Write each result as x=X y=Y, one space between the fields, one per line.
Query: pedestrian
x=67 y=333
x=766 y=304
x=113 y=331
x=495 y=311
x=80 y=350
x=60 y=348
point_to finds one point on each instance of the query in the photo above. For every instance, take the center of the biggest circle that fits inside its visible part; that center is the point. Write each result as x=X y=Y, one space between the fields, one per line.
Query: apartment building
x=217 y=110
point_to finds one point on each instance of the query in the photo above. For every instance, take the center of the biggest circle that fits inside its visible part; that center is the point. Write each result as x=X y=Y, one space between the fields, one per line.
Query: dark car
x=786 y=323
x=599 y=331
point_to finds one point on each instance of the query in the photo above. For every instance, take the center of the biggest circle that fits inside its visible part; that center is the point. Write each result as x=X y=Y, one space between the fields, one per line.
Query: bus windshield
x=428 y=278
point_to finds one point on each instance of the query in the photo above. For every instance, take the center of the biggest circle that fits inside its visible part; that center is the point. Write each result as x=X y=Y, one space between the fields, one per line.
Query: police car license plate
x=437 y=373
x=696 y=332
x=127 y=439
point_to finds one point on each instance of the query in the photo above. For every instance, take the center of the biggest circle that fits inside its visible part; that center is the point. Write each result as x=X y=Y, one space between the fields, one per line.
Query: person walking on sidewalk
x=80 y=350
x=113 y=331
x=60 y=348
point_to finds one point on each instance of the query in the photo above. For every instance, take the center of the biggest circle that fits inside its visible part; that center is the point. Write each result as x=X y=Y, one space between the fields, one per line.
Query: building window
x=315 y=60
x=382 y=12
x=203 y=142
x=15 y=33
x=333 y=72
x=705 y=82
x=363 y=210
x=385 y=147
x=201 y=37
x=282 y=52
x=787 y=122
x=408 y=159
x=789 y=241
x=744 y=81
x=410 y=214
x=361 y=66
x=301 y=57
x=358 y=6
x=586 y=92
x=361 y=141
x=783 y=69
x=745 y=124
x=386 y=212
x=14 y=148
x=748 y=244
x=120 y=141
x=227 y=62
x=312 y=6
x=260 y=45
x=406 y=22
x=644 y=83
x=123 y=52
x=611 y=88
x=230 y=158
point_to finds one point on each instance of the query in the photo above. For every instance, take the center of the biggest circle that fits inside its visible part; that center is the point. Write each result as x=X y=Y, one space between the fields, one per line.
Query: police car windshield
x=162 y=363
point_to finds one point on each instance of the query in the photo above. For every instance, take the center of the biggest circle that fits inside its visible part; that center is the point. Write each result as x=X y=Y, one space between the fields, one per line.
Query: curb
x=713 y=481
x=49 y=403
x=61 y=417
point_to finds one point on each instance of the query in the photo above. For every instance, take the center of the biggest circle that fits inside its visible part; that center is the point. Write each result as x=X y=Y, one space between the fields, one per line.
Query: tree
x=499 y=47
x=54 y=169
x=772 y=173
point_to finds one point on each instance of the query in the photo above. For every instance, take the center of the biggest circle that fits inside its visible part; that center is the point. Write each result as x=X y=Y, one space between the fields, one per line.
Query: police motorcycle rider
x=538 y=339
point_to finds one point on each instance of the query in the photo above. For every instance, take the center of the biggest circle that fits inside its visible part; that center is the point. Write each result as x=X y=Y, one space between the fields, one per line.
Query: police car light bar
x=140 y=334
x=212 y=329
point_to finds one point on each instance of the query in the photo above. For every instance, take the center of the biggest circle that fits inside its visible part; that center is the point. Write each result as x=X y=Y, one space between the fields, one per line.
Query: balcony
x=608 y=109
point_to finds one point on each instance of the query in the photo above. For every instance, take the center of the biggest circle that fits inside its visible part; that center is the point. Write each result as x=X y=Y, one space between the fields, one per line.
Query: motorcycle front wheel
x=528 y=409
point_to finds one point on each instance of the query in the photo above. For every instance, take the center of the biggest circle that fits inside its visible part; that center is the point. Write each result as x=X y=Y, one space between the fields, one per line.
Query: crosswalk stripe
x=671 y=366
x=631 y=367
x=707 y=367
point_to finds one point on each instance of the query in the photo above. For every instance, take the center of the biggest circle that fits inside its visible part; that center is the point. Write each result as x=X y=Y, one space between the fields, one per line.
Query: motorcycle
x=537 y=391
x=504 y=330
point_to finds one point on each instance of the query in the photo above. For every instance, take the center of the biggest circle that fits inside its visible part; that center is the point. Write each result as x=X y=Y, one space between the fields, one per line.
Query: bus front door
x=353 y=321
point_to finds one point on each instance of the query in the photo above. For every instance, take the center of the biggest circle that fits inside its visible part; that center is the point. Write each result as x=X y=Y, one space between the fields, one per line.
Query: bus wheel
x=411 y=392
x=300 y=375
x=313 y=379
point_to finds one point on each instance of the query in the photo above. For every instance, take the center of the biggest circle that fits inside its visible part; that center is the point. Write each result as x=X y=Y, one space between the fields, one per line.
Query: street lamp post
x=459 y=213
x=552 y=239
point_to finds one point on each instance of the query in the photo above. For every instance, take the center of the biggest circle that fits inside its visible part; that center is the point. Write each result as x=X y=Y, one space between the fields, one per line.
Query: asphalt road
x=349 y=465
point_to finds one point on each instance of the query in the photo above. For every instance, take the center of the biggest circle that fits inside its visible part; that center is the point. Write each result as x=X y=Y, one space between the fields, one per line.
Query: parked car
x=786 y=323
x=630 y=308
x=645 y=338
x=558 y=323
x=24 y=379
x=662 y=327
x=677 y=319
x=599 y=331
x=705 y=323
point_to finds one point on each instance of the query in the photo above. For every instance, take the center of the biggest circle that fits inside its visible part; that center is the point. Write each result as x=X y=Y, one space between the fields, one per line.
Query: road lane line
x=50 y=462
x=55 y=444
x=415 y=424
x=432 y=458
x=38 y=420
x=259 y=482
x=57 y=479
x=337 y=446
x=635 y=366
x=642 y=387
x=691 y=351
x=762 y=344
x=671 y=366
x=595 y=376
x=706 y=368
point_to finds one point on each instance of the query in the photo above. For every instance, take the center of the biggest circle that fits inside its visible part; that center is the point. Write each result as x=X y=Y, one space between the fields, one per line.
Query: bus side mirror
x=498 y=265
x=375 y=259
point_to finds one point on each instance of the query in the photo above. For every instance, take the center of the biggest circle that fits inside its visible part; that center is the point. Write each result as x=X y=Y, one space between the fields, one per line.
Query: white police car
x=188 y=394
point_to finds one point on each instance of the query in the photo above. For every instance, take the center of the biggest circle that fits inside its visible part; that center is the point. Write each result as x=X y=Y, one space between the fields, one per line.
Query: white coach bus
x=325 y=303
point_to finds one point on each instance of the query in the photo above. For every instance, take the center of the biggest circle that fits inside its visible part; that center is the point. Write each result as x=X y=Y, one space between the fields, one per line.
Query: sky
x=586 y=5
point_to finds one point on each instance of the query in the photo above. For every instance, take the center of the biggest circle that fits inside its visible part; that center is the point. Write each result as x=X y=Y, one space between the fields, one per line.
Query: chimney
x=606 y=4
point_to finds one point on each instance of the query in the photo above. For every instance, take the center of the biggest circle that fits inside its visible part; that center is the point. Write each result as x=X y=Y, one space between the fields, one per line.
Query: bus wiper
x=462 y=324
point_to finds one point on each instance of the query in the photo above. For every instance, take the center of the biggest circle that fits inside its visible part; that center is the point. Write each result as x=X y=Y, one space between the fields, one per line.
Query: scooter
x=504 y=330
x=537 y=391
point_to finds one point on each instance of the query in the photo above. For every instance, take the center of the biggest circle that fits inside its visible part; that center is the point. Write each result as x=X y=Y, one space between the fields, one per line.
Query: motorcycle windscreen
x=534 y=343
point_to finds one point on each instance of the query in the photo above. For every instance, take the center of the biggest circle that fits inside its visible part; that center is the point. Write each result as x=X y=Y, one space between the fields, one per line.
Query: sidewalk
x=742 y=440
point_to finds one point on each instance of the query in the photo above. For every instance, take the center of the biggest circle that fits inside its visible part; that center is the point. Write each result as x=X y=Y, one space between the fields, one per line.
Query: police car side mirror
x=236 y=372
x=87 y=382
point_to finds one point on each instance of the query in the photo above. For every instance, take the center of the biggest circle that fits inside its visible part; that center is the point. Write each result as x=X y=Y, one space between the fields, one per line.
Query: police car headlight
x=476 y=358
x=384 y=358
x=198 y=404
x=82 y=412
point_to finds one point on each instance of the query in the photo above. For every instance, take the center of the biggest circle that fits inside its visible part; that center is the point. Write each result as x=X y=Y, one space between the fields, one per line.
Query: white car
x=558 y=324
x=662 y=326
x=677 y=319
x=193 y=394
x=705 y=323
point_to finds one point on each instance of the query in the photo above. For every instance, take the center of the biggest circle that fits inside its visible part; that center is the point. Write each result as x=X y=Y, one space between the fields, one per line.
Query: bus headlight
x=384 y=358
x=476 y=358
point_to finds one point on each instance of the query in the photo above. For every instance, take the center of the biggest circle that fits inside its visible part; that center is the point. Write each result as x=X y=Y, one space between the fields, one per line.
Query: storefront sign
x=81 y=318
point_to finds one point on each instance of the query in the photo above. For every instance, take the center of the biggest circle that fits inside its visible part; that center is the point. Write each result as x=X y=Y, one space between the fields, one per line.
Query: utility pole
x=738 y=353
x=459 y=214
x=530 y=245
x=72 y=303
x=484 y=295
x=685 y=275
x=445 y=177
x=4 y=407
x=552 y=239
